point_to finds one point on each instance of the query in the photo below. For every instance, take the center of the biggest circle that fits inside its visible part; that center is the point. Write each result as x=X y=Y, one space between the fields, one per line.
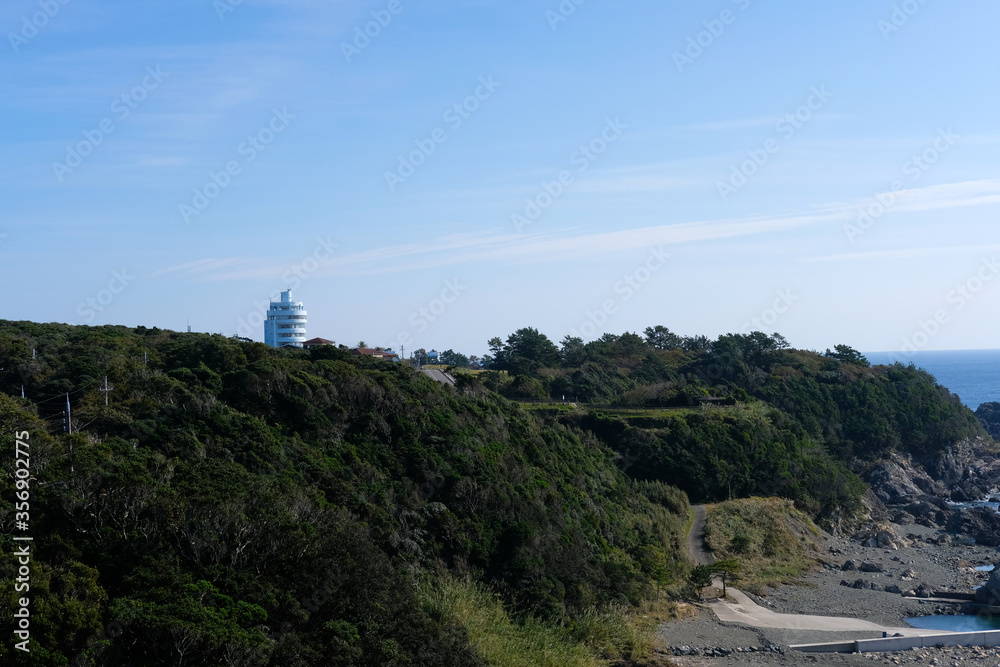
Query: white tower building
x=286 y=322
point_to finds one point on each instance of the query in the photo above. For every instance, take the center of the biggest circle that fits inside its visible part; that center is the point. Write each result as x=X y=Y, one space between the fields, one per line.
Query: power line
x=60 y=396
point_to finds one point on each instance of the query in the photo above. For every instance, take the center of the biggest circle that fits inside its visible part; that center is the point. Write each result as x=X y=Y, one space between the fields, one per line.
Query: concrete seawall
x=989 y=638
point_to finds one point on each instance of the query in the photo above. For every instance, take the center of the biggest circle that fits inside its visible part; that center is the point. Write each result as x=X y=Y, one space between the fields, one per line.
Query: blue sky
x=470 y=168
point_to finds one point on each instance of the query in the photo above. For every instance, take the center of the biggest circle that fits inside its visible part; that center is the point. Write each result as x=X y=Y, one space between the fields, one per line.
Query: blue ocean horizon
x=974 y=375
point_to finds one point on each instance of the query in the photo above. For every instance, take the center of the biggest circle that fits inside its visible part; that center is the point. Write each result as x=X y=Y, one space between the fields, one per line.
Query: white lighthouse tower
x=286 y=322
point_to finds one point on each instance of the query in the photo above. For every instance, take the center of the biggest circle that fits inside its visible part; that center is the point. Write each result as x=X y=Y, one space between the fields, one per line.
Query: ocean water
x=956 y=623
x=972 y=374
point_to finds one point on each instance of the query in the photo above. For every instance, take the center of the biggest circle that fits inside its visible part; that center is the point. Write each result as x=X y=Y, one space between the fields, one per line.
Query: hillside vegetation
x=235 y=504
x=221 y=502
x=782 y=422
x=773 y=541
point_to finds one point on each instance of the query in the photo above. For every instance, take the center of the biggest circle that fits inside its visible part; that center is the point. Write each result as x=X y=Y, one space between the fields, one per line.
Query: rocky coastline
x=923 y=540
x=918 y=563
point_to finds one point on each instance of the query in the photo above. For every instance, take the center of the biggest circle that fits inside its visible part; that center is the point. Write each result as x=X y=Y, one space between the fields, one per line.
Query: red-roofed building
x=316 y=342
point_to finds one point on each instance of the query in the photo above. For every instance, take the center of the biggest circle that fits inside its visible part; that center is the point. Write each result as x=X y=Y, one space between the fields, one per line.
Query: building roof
x=318 y=341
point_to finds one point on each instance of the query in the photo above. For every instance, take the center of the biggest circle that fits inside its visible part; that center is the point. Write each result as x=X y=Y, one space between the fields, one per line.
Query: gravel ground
x=941 y=568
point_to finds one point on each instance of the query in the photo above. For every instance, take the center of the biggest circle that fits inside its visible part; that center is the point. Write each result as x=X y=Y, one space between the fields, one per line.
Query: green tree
x=654 y=561
x=572 y=352
x=525 y=351
x=661 y=338
x=726 y=569
x=452 y=358
x=848 y=355
x=696 y=343
x=630 y=344
x=700 y=578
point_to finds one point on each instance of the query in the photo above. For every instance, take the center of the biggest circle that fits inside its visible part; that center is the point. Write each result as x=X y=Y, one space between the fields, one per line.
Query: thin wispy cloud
x=949 y=195
x=757 y=121
x=199 y=266
x=879 y=255
x=564 y=245
x=735 y=124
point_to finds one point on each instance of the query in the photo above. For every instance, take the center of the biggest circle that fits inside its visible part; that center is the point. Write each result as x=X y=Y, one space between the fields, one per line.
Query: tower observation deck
x=286 y=322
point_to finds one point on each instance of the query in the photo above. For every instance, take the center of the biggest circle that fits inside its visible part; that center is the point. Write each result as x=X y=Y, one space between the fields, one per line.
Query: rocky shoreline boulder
x=897 y=481
x=989 y=593
x=879 y=535
x=965 y=471
x=989 y=416
x=928 y=511
x=980 y=523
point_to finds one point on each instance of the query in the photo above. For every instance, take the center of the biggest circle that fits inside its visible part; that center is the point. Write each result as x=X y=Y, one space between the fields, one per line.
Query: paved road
x=695 y=543
x=748 y=612
x=439 y=376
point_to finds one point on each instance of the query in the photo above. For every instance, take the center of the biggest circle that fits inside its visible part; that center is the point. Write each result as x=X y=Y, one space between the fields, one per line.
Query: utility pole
x=69 y=416
x=105 y=390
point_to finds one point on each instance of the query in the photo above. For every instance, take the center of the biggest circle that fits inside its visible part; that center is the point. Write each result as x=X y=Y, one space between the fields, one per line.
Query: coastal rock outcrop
x=878 y=535
x=897 y=481
x=989 y=593
x=969 y=464
x=965 y=471
x=980 y=523
x=989 y=415
x=930 y=511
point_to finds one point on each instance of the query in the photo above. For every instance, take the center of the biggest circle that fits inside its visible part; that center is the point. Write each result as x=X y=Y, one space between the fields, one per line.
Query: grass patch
x=774 y=542
x=558 y=407
x=597 y=638
x=651 y=413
